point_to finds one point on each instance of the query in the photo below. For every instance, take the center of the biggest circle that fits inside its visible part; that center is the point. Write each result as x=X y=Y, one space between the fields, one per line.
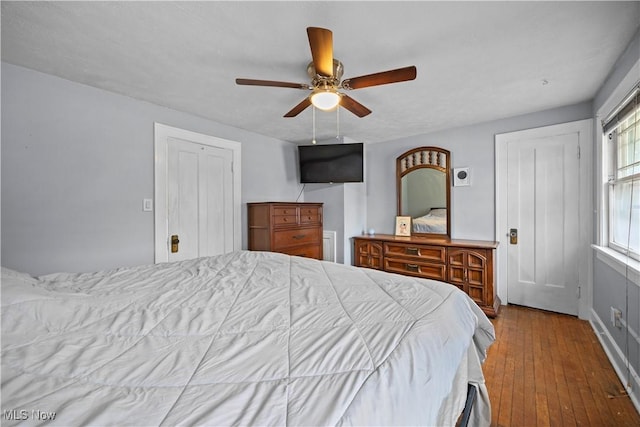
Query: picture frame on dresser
x=403 y=226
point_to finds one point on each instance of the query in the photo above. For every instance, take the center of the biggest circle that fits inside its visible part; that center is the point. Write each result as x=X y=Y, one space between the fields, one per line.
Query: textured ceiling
x=476 y=61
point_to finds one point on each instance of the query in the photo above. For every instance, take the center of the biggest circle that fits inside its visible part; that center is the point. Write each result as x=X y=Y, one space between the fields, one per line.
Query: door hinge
x=578 y=151
x=579 y=291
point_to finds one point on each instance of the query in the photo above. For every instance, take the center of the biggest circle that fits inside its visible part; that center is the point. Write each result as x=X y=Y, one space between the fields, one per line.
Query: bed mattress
x=433 y=222
x=246 y=338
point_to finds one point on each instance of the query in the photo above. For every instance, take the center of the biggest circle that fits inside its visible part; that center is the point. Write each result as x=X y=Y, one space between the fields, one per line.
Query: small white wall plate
x=461 y=177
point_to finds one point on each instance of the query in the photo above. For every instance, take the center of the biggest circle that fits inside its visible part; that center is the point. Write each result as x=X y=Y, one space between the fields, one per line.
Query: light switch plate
x=461 y=177
x=147 y=205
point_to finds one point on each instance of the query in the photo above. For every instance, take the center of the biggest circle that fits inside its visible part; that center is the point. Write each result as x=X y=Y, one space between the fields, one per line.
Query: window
x=622 y=131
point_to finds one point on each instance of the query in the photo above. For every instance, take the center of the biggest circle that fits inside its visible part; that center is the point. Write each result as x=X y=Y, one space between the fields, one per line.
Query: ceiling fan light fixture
x=325 y=99
x=325 y=73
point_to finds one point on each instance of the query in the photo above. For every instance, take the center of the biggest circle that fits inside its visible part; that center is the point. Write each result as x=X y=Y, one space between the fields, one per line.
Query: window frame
x=610 y=128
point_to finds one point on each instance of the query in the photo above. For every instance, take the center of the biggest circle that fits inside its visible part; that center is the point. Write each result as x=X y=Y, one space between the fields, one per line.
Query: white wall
x=344 y=208
x=472 y=207
x=355 y=220
x=78 y=161
x=611 y=287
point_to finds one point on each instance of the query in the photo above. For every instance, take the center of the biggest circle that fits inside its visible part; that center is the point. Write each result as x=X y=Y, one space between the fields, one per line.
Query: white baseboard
x=618 y=360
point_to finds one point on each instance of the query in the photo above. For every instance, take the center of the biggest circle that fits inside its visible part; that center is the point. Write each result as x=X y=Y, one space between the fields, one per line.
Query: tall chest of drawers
x=467 y=264
x=289 y=228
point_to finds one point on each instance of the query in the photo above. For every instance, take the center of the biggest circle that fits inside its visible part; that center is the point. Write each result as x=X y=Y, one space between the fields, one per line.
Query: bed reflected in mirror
x=423 y=190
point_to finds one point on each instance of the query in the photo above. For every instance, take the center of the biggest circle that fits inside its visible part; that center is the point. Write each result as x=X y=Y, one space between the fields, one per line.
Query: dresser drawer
x=310 y=218
x=285 y=210
x=301 y=236
x=279 y=220
x=416 y=268
x=424 y=253
x=310 y=215
x=309 y=251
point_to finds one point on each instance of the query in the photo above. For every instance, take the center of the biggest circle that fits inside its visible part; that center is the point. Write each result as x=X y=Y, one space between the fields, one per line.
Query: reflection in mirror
x=423 y=190
x=425 y=200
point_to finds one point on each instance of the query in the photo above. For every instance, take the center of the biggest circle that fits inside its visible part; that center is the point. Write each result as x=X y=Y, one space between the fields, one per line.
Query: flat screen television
x=331 y=163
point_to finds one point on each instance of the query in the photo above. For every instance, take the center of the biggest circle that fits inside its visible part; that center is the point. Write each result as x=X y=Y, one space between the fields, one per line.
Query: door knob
x=174 y=243
x=513 y=236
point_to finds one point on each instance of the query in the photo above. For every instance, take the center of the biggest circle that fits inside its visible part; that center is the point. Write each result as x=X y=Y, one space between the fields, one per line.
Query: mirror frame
x=425 y=157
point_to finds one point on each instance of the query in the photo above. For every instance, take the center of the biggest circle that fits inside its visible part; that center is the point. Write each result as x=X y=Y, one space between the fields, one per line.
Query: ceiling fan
x=325 y=72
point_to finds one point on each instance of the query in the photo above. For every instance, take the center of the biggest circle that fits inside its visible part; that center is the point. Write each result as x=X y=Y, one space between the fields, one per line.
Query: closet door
x=197 y=192
x=200 y=200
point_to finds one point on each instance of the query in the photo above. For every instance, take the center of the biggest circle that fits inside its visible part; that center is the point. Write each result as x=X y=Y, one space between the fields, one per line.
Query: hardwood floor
x=549 y=369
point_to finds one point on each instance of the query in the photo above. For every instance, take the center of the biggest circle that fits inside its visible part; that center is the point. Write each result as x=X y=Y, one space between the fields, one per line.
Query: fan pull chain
x=338 y=122
x=313 y=115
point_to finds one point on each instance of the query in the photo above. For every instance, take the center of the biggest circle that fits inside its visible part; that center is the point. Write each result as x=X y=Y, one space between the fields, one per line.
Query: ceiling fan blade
x=354 y=106
x=382 y=78
x=253 y=82
x=299 y=108
x=321 y=42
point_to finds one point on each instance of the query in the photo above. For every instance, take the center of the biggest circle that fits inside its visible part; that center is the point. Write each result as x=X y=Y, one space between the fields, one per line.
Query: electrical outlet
x=616 y=315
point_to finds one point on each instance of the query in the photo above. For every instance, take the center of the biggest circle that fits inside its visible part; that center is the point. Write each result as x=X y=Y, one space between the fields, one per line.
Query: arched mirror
x=422 y=180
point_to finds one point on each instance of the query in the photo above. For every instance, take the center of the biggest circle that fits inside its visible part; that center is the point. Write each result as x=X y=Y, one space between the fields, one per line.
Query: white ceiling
x=476 y=61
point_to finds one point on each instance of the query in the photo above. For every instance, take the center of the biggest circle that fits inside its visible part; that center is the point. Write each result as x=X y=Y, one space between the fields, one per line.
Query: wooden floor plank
x=549 y=369
x=541 y=408
x=560 y=362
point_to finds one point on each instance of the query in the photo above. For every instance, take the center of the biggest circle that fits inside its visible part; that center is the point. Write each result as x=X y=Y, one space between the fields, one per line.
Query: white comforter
x=248 y=338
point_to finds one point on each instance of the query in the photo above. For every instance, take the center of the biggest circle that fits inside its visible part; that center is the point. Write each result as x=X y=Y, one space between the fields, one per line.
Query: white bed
x=247 y=338
x=435 y=221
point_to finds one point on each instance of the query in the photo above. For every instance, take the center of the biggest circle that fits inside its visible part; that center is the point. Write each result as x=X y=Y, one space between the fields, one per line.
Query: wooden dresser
x=467 y=264
x=289 y=228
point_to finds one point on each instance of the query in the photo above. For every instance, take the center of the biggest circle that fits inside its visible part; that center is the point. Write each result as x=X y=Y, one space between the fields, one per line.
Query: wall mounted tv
x=331 y=163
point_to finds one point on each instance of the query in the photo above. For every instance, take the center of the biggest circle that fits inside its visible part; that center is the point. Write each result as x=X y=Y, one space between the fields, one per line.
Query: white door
x=200 y=200
x=543 y=209
x=197 y=180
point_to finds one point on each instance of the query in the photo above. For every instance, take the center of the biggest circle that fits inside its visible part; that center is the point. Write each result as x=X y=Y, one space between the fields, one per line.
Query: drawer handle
x=412 y=267
x=412 y=251
x=299 y=236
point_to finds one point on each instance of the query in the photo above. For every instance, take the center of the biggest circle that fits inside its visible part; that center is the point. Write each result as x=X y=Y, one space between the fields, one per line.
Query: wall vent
x=329 y=245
